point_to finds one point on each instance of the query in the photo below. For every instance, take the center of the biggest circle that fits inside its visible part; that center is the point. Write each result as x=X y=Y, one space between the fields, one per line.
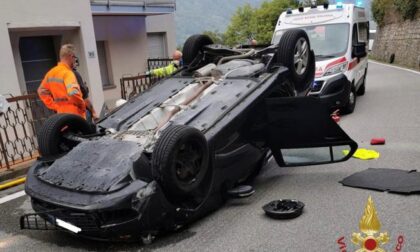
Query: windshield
x=327 y=40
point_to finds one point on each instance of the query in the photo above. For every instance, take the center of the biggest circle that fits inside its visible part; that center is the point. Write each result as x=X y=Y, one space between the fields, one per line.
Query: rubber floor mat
x=391 y=180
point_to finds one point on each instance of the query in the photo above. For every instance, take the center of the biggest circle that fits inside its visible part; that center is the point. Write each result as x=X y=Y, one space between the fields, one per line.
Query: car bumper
x=335 y=91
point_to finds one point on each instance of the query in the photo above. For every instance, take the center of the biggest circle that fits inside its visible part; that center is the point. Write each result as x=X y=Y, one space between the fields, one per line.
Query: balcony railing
x=140 y=7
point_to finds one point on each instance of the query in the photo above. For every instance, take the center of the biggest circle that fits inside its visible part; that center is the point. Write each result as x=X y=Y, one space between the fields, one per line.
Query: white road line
x=400 y=68
x=12 y=197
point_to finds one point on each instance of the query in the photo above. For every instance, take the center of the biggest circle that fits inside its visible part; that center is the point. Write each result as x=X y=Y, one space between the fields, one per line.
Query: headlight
x=335 y=69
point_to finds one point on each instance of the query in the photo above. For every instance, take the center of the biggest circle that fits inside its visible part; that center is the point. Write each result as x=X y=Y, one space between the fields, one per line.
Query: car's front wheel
x=180 y=161
x=52 y=138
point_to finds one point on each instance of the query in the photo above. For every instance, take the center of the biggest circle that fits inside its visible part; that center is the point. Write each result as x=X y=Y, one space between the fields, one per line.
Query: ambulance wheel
x=294 y=52
x=193 y=46
x=351 y=103
x=362 y=88
x=51 y=137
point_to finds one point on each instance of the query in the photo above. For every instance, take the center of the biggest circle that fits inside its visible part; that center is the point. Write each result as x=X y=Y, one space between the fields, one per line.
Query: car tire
x=362 y=88
x=295 y=42
x=50 y=137
x=180 y=160
x=193 y=46
x=351 y=103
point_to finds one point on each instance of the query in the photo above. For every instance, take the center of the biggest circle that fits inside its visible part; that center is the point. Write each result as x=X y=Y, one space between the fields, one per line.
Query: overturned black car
x=171 y=154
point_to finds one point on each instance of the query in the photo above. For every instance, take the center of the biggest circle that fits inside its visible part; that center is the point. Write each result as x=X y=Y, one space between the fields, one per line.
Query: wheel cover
x=301 y=56
x=351 y=97
x=188 y=162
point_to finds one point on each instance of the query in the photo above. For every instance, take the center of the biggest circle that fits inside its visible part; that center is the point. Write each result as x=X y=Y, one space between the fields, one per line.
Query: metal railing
x=157 y=63
x=133 y=85
x=18 y=128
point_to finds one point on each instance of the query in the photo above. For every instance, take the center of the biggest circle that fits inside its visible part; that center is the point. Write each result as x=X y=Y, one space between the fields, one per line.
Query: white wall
x=126 y=43
x=71 y=19
x=166 y=24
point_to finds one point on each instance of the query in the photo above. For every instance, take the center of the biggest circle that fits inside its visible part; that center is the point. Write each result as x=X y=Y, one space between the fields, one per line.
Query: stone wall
x=401 y=39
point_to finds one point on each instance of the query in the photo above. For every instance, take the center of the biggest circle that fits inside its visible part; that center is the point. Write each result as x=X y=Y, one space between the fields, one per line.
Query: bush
x=379 y=9
x=406 y=8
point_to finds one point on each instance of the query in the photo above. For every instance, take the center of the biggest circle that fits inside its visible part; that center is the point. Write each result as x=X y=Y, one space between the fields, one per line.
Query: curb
x=13 y=174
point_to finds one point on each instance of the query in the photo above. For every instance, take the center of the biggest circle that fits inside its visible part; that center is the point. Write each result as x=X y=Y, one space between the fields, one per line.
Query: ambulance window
x=354 y=39
x=363 y=32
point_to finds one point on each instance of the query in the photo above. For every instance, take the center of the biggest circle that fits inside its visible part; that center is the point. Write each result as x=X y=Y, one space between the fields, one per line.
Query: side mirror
x=359 y=50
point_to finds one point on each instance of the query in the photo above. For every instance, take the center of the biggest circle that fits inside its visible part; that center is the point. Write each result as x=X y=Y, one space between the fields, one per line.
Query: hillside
x=196 y=16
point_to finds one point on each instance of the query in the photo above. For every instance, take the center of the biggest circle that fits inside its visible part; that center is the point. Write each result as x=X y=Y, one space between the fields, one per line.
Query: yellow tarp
x=364 y=154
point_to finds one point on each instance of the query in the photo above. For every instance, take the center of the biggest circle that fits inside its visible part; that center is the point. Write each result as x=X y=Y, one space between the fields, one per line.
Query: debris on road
x=284 y=209
x=377 y=141
x=364 y=154
x=382 y=179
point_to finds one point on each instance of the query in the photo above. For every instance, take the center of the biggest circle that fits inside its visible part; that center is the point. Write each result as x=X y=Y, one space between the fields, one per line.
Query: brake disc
x=284 y=209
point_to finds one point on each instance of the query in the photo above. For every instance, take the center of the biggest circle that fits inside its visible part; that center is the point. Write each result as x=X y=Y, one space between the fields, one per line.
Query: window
x=363 y=32
x=103 y=64
x=354 y=39
x=157 y=45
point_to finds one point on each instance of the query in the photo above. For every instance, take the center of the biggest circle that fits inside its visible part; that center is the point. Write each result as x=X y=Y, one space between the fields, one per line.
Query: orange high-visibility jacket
x=60 y=91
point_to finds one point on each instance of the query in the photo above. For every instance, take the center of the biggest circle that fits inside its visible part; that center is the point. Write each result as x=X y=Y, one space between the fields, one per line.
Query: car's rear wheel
x=180 y=161
x=193 y=46
x=295 y=53
x=51 y=137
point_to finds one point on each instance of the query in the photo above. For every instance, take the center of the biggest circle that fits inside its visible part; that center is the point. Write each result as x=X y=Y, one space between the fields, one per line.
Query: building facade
x=113 y=38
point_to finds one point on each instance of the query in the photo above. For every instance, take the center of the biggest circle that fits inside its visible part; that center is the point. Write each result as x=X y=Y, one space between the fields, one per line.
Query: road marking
x=400 y=68
x=12 y=197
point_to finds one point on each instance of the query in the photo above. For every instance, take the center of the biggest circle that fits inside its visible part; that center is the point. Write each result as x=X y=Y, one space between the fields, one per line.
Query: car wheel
x=180 y=160
x=192 y=46
x=351 y=103
x=295 y=53
x=51 y=138
x=362 y=88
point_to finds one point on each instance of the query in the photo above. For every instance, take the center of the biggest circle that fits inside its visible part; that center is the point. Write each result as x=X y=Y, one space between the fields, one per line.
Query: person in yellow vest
x=169 y=69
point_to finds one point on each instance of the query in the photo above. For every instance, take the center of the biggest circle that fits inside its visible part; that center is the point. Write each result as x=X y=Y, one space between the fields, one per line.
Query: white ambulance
x=339 y=36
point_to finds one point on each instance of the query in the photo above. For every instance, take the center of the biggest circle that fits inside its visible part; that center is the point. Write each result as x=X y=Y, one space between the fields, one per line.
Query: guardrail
x=18 y=127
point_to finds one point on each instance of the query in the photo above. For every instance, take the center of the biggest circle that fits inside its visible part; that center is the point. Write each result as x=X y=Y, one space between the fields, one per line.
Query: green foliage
x=216 y=36
x=379 y=9
x=406 y=8
x=249 y=23
x=242 y=26
x=266 y=19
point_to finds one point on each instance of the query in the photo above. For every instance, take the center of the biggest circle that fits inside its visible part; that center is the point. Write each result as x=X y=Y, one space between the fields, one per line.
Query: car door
x=300 y=131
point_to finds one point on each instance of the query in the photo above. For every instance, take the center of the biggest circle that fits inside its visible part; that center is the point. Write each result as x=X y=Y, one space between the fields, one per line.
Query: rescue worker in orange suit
x=59 y=89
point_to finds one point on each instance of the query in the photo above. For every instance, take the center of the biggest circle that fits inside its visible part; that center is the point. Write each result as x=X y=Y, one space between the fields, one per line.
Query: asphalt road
x=390 y=109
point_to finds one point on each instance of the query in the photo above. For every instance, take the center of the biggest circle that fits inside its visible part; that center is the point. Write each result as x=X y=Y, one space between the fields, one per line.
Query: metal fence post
x=3 y=150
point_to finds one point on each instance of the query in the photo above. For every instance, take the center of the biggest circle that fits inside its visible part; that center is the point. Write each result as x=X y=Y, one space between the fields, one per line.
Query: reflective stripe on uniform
x=74 y=92
x=55 y=80
x=72 y=85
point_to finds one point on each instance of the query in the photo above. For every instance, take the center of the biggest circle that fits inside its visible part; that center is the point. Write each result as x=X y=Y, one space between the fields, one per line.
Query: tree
x=216 y=36
x=249 y=23
x=241 y=27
